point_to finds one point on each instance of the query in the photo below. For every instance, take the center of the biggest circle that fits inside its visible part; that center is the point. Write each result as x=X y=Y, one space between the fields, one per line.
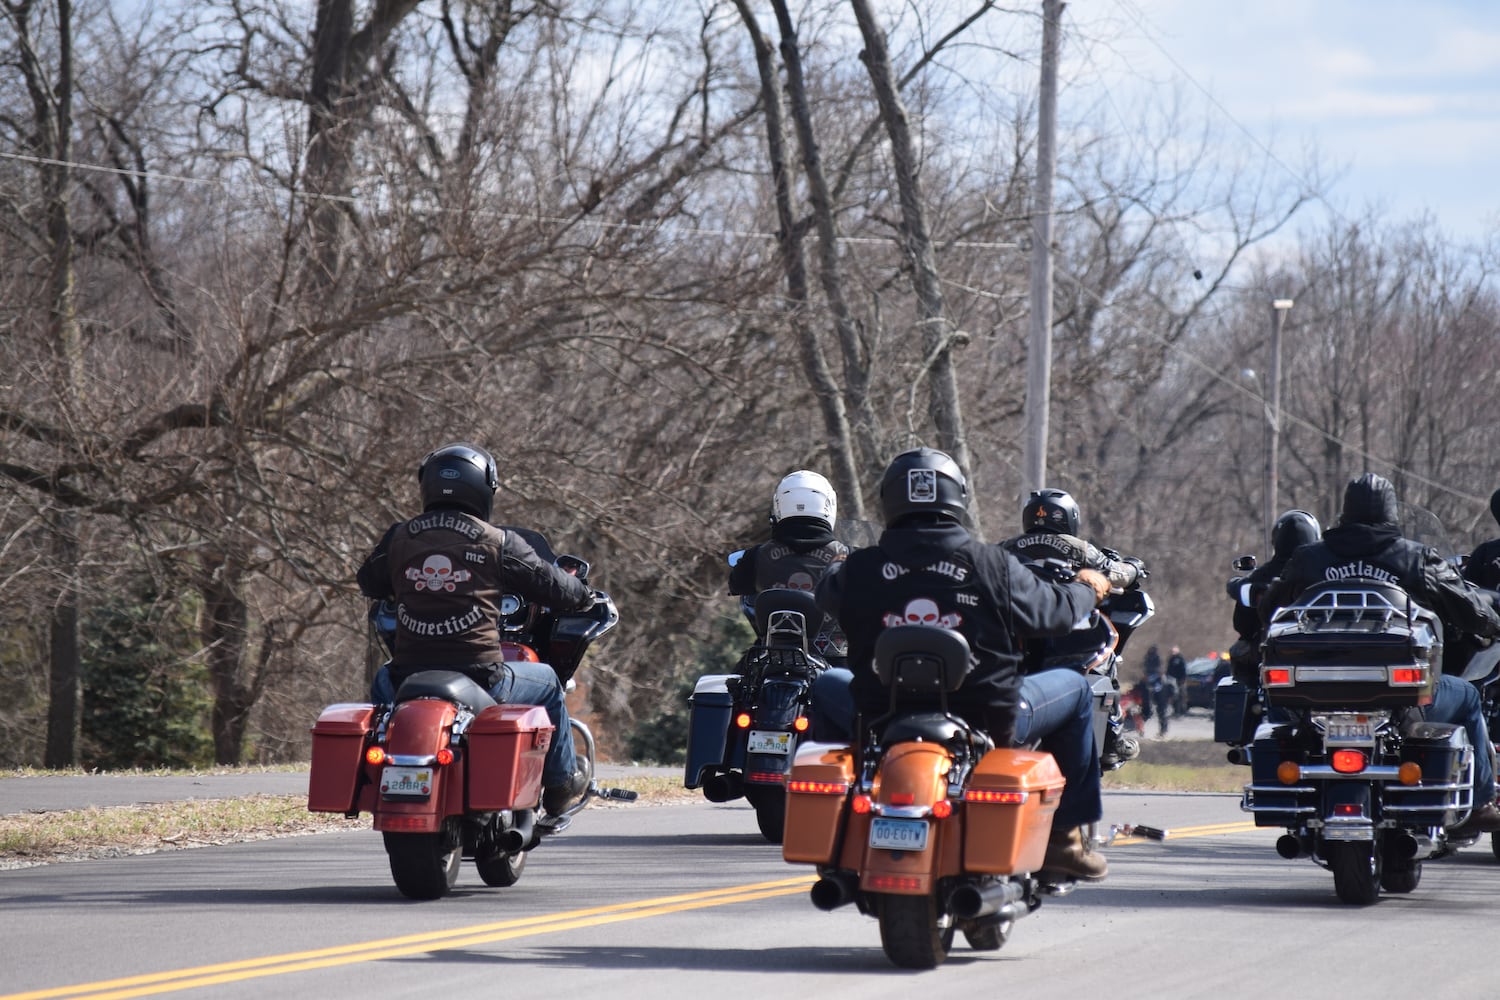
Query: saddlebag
x=708 y=727
x=1444 y=753
x=1236 y=712
x=507 y=747
x=1009 y=803
x=338 y=752
x=816 y=799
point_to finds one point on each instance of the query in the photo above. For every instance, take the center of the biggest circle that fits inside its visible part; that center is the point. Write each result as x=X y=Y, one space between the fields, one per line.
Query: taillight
x=903 y=799
x=1411 y=676
x=817 y=787
x=861 y=804
x=375 y=755
x=993 y=797
x=1277 y=677
x=444 y=756
x=1348 y=761
x=942 y=808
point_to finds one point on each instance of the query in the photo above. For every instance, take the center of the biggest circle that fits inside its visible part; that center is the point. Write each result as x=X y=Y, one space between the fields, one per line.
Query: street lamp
x=1279 y=308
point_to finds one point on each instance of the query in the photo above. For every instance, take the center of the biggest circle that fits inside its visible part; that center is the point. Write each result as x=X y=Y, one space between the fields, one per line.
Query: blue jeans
x=521 y=683
x=1457 y=703
x=1057 y=709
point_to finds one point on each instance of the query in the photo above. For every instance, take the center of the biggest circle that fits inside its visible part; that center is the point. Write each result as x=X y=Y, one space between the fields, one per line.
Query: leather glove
x=1096 y=580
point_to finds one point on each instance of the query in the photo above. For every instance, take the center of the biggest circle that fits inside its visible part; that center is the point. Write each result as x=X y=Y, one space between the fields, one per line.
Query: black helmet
x=1050 y=510
x=1370 y=499
x=923 y=481
x=1294 y=528
x=459 y=475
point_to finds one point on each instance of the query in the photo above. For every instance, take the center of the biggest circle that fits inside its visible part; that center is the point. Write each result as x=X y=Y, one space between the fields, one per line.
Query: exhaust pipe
x=723 y=786
x=973 y=900
x=1288 y=846
x=833 y=890
x=516 y=838
x=1412 y=846
x=1238 y=755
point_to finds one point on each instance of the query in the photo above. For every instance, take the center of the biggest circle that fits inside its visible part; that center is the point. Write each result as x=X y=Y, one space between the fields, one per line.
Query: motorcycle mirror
x=1244 y=564
x=574 y=566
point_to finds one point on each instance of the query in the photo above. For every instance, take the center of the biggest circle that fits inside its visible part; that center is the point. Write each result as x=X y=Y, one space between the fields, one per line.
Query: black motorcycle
x=745 y=727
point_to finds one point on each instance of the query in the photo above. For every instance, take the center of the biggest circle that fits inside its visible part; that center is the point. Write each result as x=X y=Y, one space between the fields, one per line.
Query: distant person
x=1152 y=662
x=1482 y=568
x=1177 y=671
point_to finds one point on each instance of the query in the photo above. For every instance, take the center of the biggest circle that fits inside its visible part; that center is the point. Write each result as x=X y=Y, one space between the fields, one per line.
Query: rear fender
x=910 y=778
x=417 y=730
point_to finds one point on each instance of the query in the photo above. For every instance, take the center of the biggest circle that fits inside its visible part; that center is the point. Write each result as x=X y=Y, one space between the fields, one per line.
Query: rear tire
x=914 y=934
x=770 y=811
x=425 y=865
x=1356 y=871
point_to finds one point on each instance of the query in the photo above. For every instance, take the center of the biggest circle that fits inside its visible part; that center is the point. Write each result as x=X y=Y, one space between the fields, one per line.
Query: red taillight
x=742 y=720
x=375 y=755
x=1348 y=761
x=895 y=883
x=765 y=777
x=444 y=756
x=1348 y=809
x=903 y=799
x=942 y=808
x=800 y=724
x=817 y=787
x=995 y=798
x=1408 y=675
x=1277 y=677
x=861 y=804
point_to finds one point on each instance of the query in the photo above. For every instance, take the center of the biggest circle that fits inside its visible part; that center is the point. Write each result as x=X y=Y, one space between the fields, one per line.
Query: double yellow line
x=410 y=944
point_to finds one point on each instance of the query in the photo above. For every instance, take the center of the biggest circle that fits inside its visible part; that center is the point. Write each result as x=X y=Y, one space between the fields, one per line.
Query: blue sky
x=1402 y=99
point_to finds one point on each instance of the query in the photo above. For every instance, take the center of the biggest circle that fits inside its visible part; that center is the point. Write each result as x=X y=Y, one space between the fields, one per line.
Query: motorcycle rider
x=926 y=559
x=447 y=570
x=1049 y=525
x=1367 y=542
x=1291 y=530
x=802 y=548
x=1482 y=568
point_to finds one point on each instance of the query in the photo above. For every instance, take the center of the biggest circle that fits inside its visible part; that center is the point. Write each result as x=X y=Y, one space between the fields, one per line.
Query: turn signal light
x=1348 y=761
x=1288 y=772
x=444 y=756
x=942 y=808
x=1409 y=773
x=993 y=797
x=375 y=755
x=800 y=724
x=895 y=883
x=742 y=720
x=817 y=787
x=861 y=804
x=1277 y=677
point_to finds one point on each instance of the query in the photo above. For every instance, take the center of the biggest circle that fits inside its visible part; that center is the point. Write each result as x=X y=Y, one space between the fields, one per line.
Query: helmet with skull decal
x=923 y=481
x=461 y=476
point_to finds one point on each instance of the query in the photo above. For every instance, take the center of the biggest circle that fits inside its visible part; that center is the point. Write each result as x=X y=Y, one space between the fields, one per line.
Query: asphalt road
x=687 y=901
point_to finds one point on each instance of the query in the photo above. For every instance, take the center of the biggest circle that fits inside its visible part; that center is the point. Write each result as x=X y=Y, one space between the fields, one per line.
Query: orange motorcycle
x=447 y=773
x=925 y=825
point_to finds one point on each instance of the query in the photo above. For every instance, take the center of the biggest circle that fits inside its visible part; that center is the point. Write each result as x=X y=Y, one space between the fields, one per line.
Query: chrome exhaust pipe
x=1412 y=846
x=833 y=890
x=724 y=786
x=973 y=900
x=517 y=837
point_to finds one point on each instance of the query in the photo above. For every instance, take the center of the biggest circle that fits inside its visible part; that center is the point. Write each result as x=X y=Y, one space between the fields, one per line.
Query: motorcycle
x=447 y=773
x=924 y=824
x=744 y=727
x=1338 y=757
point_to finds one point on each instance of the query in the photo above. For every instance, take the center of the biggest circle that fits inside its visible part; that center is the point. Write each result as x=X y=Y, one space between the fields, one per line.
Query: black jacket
x=1378 y=552
x=1483 y=567
x=446 y=571
x=937 y=574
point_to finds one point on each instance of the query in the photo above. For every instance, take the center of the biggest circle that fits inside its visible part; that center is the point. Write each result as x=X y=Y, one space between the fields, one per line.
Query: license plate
x=1348 y=729
x=898 y=834
x=406 y=782
x=766 y=741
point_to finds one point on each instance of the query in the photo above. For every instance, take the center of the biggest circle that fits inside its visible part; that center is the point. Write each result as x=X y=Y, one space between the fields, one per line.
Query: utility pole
x=1279 y=309
x=1039 y=353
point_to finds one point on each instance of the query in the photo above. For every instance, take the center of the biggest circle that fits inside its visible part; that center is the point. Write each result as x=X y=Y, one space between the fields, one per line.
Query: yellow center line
x=463 y=937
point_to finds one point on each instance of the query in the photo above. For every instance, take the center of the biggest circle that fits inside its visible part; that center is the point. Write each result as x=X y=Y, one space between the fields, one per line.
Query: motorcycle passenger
x=802 y=547
x=447 y=570
x=1290 y=531
x=1049 y=522
x=1482 y=568
x=1367 y=542
x=927 y=566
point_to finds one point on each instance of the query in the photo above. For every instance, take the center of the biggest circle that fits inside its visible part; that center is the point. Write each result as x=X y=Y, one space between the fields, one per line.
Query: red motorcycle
x=448 y=773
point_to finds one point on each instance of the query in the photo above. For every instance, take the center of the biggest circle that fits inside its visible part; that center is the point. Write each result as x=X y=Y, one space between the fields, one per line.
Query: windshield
x=1421 y=525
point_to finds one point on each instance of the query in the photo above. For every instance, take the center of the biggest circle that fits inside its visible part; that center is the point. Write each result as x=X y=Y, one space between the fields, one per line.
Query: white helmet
x=805 y=494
